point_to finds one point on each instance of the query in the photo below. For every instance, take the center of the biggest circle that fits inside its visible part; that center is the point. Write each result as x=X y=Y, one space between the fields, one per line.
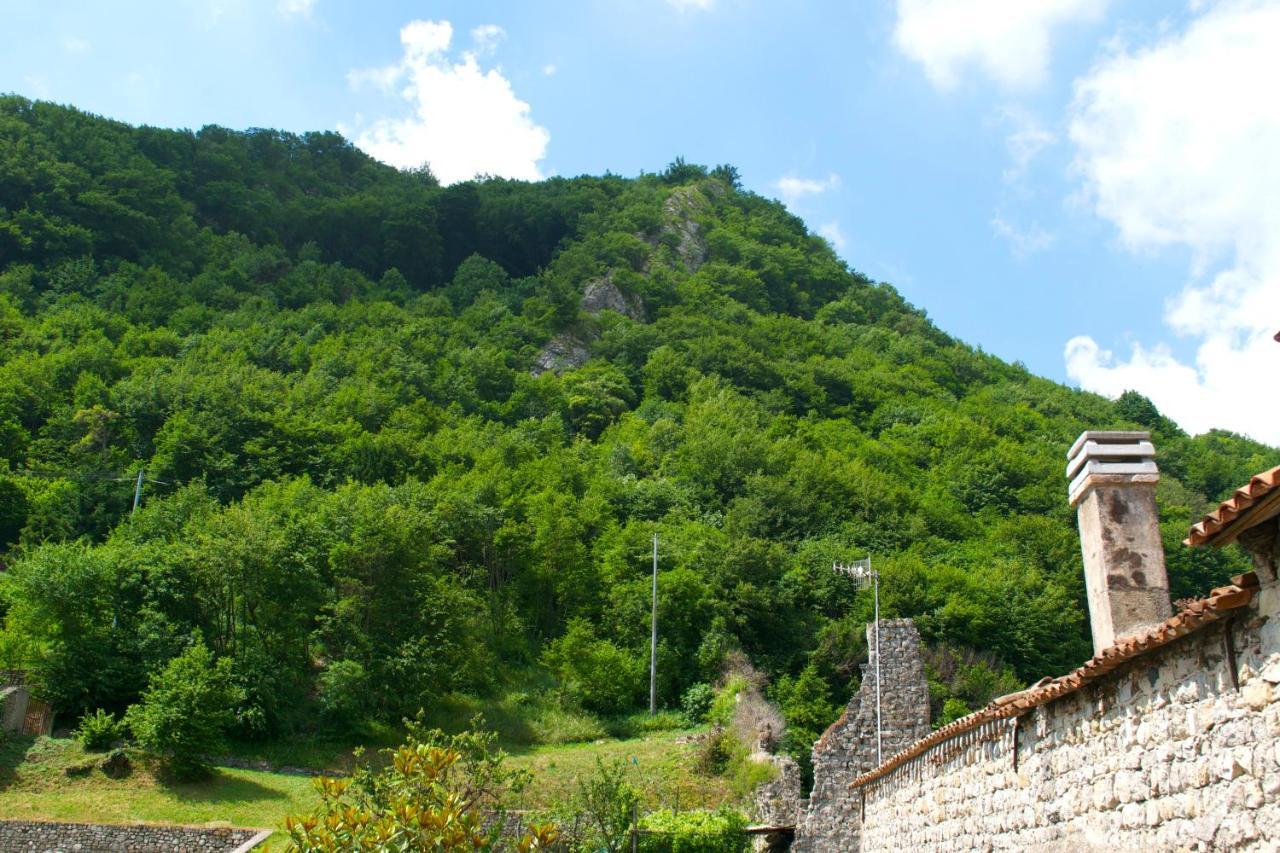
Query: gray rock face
x=848 y=747
x=679 y=211
x=601 y=294
x=563 y=352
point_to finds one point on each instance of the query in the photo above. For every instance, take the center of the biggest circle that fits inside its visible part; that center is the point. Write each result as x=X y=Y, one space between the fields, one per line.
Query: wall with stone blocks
x=17 y=835
x=1164 y=753
x=848 y=747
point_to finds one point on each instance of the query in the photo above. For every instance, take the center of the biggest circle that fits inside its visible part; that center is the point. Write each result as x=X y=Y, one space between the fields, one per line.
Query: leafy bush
x=716 y=751
x=696 y=703
x=607 y=802
x=555 y=724
x=595 y=672
x=702 y=831
x=435 y=793
x=185 y=711
x=99 y=731
x=343 y=692
x=726 y=701
x=642 y=723
x=952 y=709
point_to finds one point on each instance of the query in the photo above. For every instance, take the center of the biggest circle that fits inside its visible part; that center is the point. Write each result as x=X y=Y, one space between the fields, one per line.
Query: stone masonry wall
x=18 y=835
x=1164 y=753
x=848 y=747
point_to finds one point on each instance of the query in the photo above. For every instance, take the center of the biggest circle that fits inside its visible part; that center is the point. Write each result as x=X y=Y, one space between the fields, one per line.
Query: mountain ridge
x=373 y=477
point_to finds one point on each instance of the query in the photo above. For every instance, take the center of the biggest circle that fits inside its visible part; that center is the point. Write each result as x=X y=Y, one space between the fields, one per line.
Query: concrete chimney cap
x=1107 y=437
x=1113 y=457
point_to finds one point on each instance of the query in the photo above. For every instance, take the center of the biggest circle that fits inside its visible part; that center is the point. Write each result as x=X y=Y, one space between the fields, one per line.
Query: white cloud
x=296 y=8
x=1024 y=143
x=793 y=188
x=549 y=69
x=1176 y=147
x=830 y=231
x=464 y=121
x=1008 y=40
x=686 y=5
x=1026 y=241
x=486 y=37
x=75 y=44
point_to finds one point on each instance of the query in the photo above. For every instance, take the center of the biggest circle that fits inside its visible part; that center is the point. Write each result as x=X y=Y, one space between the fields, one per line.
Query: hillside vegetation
x=406 y=443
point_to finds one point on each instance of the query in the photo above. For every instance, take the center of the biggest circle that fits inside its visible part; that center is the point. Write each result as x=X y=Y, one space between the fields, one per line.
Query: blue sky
x=1088 y=187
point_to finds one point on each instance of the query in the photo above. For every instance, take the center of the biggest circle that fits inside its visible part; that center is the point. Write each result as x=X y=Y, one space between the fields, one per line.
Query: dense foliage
x=722 y=831
x=363 y=490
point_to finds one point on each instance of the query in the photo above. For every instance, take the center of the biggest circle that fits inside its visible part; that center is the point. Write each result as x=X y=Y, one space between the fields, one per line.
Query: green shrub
x=696 y=703
x=605 y=801
x=99 y=731
x=720 y=831
x=716 y=751
x=952 y=709
x=554 y=724
x=344 y=692
x=185 y=711
x=726 y=701
x=642 y=723
x=596 y=673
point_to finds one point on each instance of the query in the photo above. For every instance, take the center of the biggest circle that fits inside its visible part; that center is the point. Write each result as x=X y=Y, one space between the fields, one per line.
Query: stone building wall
x=19 y=835
x=1163 y=753
x=848 y=747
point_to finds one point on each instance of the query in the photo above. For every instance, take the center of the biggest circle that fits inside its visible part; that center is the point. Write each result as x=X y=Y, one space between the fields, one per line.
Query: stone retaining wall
x=1164 y=753
x=17 y=835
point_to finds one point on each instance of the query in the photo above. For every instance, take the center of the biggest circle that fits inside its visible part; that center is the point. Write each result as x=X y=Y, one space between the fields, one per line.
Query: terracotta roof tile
x=1229 y=510
x=1192 y=617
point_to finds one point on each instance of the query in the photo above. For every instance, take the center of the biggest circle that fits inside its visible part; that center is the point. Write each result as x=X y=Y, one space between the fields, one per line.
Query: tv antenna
x=862 y=574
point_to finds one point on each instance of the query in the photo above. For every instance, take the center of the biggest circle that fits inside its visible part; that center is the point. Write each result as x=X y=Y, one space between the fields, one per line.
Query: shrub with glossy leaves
x=436 y=793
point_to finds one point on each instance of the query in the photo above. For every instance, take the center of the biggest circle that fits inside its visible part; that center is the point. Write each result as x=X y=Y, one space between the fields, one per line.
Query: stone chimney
x=1113 y=478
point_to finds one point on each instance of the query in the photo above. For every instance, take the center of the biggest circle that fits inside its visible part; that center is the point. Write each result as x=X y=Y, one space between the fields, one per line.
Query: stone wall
x=17 y=835
x=848 y=747
x=1166 y=752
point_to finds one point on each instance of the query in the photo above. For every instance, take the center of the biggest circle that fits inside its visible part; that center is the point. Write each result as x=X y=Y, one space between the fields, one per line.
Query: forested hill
x=403 y=440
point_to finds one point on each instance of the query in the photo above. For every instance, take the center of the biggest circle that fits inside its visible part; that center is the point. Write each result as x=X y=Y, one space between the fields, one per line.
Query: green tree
x=185 y=711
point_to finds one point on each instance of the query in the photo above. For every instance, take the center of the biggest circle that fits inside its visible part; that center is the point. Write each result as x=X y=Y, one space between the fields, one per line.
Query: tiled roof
x=1190 y=618
x=1209 y=527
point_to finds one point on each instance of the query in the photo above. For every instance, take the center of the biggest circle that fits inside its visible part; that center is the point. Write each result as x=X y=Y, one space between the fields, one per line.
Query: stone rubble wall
x=1164 y=753
x=18 y=835
x=777 y=802
x=848 y=747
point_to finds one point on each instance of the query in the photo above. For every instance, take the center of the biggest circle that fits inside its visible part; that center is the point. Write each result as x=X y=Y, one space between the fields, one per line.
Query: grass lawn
x=34 y=784
x=661 y=768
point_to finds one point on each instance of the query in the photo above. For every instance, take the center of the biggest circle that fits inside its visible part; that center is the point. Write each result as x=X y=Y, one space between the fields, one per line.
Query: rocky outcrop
x=563 y=352
x=602 y=294
x=679 y=212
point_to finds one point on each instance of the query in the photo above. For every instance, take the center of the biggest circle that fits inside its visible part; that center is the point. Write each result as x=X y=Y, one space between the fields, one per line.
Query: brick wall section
x=848 y=747
x=1163 y=753
x=16 y=835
